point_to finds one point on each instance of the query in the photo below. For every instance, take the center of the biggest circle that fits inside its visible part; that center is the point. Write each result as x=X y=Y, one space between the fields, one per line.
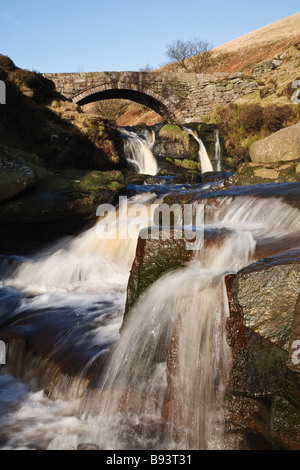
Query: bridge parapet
x=179 y=97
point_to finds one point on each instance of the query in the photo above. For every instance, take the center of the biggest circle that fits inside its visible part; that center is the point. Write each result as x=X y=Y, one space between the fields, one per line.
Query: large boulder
x=154 y=257
x=159 y=251
x=263 y=331
x=283 y=145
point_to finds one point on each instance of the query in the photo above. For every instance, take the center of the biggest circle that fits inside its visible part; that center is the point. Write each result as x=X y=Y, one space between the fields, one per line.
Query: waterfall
x=164 y=378
x=204 y=159
x=160 y=387
x=218 y=151
x=93 y=258
x=163 y=387
x=149 y=136
x=138 y=151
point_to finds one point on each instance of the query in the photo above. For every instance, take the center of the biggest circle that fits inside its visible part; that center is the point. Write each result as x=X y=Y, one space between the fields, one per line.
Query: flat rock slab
x=15 y=177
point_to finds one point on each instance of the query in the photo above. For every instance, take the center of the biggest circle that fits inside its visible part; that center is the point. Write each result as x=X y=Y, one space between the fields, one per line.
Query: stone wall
x=179 y=97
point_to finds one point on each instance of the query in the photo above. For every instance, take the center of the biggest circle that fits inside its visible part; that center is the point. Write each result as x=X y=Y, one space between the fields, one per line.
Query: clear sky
x=116 y=35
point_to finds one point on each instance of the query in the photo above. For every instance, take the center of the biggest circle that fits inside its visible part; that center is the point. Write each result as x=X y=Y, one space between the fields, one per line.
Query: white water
x=218 y=151
x=170 y=403
x=95 y=259
x=149 y=136
x=204 y=159
x=138 y=152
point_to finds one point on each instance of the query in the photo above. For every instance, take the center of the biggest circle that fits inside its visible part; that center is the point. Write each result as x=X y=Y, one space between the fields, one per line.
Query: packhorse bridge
x=178 y=97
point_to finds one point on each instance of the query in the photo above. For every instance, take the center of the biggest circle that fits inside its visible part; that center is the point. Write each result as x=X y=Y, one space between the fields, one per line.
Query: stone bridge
x=178 y=97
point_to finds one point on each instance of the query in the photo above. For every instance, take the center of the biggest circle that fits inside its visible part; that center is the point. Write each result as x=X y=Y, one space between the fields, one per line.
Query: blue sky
x=116 y=35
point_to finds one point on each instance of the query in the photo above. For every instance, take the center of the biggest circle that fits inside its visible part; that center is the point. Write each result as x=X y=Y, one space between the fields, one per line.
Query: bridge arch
x=130 y=92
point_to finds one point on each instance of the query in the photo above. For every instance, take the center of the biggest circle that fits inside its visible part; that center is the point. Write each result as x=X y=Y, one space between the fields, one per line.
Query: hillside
x=259 y=45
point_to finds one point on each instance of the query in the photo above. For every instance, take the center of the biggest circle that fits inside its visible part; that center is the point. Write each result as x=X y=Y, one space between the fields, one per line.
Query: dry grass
x=279 y=32
x=259 y=45
x=138 y=114
x=262 y=44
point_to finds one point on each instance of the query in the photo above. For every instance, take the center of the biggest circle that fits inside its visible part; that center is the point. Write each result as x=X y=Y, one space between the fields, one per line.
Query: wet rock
x=166 y=149
x=8 y=265
x=136 y=179
x=189 y=177
x=248 y=419
x=284 y=416
x=266 y=294
x=154 y=257
x=227 y=178
x=62 y=194
x=159 y=179
x=289 y=192
x=263 y=324
x=293 y=362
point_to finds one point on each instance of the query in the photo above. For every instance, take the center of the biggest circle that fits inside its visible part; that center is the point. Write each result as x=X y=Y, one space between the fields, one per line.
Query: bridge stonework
x=178 y=97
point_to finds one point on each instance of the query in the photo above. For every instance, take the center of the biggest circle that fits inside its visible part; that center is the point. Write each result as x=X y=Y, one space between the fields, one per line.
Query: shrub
x=252 y=118
x=42 y=87
x=6 y=63
x=228 y=119
x=276 y=117
x=267 y=90
x=238 y=153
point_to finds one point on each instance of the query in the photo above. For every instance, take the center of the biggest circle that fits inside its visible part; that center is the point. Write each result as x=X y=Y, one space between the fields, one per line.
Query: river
x=73 y=381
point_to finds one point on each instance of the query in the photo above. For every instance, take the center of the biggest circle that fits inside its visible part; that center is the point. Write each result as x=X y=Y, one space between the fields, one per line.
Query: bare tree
x=147 y=68
x=194 y=55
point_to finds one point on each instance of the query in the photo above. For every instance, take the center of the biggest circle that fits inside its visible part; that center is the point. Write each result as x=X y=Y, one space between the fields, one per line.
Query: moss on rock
x=64 y=193
x=260 y=173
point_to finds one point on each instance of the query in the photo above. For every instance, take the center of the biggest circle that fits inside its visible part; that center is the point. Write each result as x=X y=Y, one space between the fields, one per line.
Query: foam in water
x=168 y=350
x=218 y=151
x=90 y=260
x=164 y=382
x=205 y=162
x=138 y=152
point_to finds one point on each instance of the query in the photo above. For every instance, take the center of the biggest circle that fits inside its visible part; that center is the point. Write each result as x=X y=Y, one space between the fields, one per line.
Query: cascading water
x=160 y=387
x=218 y=151
x=138 y=151
x=204 y=159
x=95 y=257
x=164 y=379
x=149 y=136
